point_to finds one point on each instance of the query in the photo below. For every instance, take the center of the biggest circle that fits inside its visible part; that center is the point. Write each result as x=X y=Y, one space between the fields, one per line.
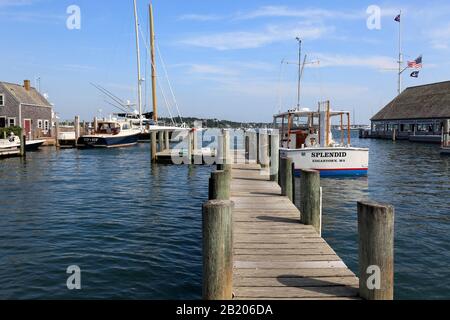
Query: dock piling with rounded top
x=310 y=199
x=376 y=250
x=274 y=156
x=286 y=178
x=167 y=140
x=153 y=146
x=217 y=250
x=23 y=143
x=226 y=147
x=219 y=185
x=77 y=128
x=264 y=149
x=57 y=133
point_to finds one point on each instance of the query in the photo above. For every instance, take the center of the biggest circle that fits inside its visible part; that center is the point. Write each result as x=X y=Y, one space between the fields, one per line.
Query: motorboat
x=110 y=134
x=306 y=137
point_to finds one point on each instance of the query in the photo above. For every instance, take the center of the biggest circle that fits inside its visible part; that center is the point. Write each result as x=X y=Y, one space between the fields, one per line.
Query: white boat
x=306 y=138
x=13 y=142
x=110 y=134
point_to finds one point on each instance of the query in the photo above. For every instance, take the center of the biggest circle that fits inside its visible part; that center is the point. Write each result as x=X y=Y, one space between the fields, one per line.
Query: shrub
x=16 y=130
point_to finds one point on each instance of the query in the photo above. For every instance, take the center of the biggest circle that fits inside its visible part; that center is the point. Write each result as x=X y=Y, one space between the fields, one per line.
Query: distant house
x=25 y=107
x=418 y=114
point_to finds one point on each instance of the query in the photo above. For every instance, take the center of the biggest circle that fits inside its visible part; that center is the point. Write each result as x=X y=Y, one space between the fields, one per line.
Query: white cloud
x=312 y=13
x=440 y=38
x=375 y=62
x=256 y=39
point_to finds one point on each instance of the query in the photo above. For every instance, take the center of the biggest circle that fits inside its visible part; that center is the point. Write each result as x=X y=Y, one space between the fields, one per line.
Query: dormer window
x=2 y=100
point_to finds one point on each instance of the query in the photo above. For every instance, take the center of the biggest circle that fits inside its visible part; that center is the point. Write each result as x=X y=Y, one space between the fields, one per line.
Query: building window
x=2 y=122
x=40 y=124
x=46 y=125
x=2 y=100
x=11 y=122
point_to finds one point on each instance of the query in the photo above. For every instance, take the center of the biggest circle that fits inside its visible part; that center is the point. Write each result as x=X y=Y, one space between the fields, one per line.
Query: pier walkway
x=275 y=256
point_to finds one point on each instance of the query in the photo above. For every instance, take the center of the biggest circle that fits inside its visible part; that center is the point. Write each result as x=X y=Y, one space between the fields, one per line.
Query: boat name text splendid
x=329 y=154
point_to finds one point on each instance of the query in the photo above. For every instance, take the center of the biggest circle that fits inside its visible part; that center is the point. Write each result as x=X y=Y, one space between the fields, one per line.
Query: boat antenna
x=138 y=54
x=299 y=70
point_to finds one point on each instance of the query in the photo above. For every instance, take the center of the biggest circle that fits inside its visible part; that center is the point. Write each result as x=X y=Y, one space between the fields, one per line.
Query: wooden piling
x=264 y=149
x=226 y=147
x=286 y=178
x=153 y=146
x=274 y=156
x=167 y=140
x=219 y=185
x=257 y=146
x=95 y=124
x=23 y=143
x=310 y=199
x=376 y=250
x=57 y=133
x=247 y=146
x=189 y=147
x=217 y=250
x=77 y=128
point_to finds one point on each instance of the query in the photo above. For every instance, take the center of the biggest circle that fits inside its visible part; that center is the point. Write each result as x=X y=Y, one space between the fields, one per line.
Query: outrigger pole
x=153 y=62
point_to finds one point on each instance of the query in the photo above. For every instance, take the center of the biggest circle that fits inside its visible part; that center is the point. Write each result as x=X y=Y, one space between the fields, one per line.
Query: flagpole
x=400 y=57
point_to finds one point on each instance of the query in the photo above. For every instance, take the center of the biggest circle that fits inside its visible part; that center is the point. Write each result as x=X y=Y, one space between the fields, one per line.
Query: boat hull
x=33 y=145
x=339 y=161
x=107 y=142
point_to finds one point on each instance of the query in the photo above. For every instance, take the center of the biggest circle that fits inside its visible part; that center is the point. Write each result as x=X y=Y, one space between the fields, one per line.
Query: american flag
x=416 y=64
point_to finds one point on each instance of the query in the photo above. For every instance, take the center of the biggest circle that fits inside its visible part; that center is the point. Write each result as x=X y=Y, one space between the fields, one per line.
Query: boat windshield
x=108 y=128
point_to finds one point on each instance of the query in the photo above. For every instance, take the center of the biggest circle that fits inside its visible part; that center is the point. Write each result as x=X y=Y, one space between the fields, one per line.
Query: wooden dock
x=13 y=152
x=275 y=256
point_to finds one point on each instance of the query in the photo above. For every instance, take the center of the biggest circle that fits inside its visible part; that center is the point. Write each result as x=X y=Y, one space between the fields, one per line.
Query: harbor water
x=134 y=229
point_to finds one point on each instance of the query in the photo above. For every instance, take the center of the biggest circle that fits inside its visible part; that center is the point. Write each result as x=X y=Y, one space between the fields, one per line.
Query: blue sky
x=223 y=57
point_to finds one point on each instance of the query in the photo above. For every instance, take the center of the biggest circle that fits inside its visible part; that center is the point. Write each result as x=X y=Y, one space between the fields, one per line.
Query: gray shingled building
x=418 y=114
x=25 y=107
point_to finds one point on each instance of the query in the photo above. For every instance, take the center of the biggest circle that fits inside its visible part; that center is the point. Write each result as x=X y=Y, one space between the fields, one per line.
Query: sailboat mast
x=152 y=46
x=138 y=52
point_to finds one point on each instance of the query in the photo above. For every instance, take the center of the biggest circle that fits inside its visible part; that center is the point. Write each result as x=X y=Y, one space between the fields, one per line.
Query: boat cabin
x=308 y=129
x=111 y=127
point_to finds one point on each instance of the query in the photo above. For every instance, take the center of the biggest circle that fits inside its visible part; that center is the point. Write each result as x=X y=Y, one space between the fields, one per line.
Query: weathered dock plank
x=275 y=256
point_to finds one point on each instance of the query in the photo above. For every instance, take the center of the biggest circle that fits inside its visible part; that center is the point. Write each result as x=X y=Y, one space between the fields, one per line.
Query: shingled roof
x=431 y=101
x=31 y=97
